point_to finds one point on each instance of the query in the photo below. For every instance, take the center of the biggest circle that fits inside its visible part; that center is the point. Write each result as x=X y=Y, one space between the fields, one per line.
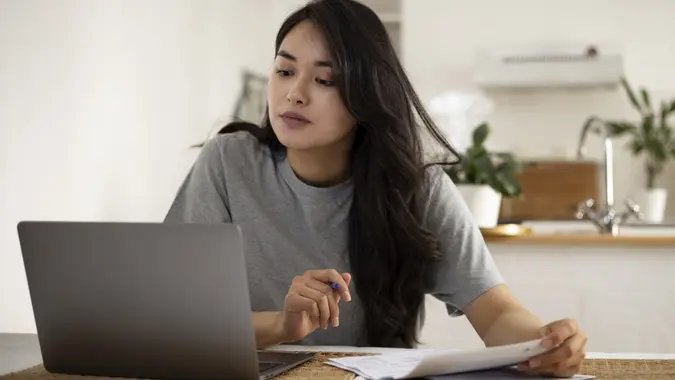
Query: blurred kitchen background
x=100 y=101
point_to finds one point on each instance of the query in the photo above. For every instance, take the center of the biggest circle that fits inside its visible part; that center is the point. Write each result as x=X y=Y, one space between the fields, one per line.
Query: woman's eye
x=324 y=82
x=283 y=73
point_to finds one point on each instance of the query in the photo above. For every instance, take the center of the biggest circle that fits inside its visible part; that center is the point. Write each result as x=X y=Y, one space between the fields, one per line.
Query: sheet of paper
x=418 y=363
x=508 y=373
x=394 y=365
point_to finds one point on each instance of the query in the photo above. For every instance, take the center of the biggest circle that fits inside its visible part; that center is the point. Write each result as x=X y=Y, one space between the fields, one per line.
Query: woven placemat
x=315 y=369
x=629 y=369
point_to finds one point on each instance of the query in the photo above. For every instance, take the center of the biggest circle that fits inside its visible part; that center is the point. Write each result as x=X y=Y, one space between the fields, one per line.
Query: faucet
x=606 y=218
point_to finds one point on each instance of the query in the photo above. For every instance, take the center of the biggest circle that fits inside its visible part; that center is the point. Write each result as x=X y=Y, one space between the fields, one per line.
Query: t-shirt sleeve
x=465 y=269
x=202 y=197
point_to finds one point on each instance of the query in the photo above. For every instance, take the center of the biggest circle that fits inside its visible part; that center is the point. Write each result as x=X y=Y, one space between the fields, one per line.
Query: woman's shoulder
x=435 y=179
x=239 y=145
x=438 y=190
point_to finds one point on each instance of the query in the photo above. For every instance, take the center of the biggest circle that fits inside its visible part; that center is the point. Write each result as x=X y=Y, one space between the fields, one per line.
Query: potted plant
x=650 y=137
x=483 y=178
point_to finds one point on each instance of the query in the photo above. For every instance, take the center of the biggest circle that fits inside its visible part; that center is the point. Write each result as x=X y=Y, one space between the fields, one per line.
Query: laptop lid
x=145 y=300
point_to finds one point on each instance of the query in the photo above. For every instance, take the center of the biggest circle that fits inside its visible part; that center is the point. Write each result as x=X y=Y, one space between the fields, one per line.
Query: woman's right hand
x=311 y=303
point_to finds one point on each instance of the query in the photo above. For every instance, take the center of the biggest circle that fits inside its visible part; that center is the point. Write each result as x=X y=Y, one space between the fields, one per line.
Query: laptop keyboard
x=266 y=366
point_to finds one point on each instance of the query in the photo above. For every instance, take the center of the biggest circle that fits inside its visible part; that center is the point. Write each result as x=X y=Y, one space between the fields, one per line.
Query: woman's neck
x=323 y=167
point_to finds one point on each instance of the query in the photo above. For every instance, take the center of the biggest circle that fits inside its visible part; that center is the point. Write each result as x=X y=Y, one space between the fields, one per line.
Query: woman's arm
x=499 y=319
x=268 y=328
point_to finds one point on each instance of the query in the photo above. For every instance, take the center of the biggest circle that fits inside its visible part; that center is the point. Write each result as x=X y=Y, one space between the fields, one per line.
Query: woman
x=345 y=229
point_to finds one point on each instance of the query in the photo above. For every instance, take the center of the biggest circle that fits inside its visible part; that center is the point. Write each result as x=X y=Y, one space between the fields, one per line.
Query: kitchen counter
x=584 y=239
x=620 y=289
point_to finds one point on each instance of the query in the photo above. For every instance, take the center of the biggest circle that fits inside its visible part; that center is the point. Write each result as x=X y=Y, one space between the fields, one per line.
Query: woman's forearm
x=268 y=328
x=513 y=326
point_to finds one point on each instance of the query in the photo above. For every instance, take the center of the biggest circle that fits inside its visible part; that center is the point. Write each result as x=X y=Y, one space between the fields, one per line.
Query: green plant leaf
x=663 y=114
x=484 y=169
x=475 y=151
x=480 y=134
x=645 y=100
x=618 y=128
x=508 y=184
x=656 y=149
x=508 y=163
x=631 y=95
x=505 y=177
x=479 y=166
x=647 y=126
x=637 y=146
x=652 y=137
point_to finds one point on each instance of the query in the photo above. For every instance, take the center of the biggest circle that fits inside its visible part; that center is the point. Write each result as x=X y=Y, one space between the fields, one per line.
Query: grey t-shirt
x=289 y=227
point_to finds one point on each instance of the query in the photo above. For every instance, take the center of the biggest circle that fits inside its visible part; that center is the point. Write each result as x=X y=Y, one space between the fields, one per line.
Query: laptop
x=144 y=300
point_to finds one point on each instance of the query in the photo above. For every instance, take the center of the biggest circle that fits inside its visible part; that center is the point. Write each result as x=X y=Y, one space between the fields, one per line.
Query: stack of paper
x=418 y=363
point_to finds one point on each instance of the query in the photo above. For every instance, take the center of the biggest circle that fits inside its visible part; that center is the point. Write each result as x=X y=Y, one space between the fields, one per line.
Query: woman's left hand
x=565 y=359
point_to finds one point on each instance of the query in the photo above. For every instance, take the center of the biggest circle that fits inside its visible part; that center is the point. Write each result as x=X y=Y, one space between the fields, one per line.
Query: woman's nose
x=297 y=94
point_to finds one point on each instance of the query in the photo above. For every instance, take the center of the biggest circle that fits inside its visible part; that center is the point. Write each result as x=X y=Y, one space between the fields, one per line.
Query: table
x=21 y=351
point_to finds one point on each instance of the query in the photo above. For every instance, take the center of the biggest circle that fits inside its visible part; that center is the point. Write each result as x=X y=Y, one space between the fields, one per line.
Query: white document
x=418 y=363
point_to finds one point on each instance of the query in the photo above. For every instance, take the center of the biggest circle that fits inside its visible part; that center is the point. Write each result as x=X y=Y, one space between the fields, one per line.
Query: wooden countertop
x=585 y=239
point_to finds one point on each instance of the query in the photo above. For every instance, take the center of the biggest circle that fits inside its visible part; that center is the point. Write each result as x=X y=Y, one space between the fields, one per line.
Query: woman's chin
x=298 y=140
x=296 y=143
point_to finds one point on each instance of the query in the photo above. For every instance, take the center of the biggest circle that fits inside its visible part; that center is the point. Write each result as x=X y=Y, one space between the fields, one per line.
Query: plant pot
x=484 y=203
x=652 y=204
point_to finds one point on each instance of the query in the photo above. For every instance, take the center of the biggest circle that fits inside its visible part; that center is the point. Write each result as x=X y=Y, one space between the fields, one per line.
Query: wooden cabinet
x=552 y=190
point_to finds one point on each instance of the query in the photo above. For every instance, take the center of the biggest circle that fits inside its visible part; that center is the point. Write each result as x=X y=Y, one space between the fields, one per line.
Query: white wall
x=99 y=101
x=439 y=42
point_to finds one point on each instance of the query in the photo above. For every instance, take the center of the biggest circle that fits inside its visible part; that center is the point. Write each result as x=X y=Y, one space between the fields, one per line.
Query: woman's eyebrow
x=290 y=57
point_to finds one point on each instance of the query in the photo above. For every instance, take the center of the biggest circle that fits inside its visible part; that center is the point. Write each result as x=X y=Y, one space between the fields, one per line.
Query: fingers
x=299 y=286
x=347 y=277
x=296 y=303
x=331 y=275
x=330 y=296
x=559 y=331
x=313 y=287
x=567 y=356
x=560 y=354
x=562 y=369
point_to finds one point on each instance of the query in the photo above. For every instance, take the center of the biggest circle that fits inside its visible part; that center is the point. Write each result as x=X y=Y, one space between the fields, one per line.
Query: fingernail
x=547 y=343
x=349 y=297
x=534 y=363
x=337 y=322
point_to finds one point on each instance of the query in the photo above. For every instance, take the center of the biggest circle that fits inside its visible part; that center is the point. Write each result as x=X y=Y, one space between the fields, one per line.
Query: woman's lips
x=294 y=122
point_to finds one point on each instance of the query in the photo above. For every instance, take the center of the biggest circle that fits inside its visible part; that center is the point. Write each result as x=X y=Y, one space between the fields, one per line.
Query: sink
x=647 y=230
x=585 y=227
x=561 y=227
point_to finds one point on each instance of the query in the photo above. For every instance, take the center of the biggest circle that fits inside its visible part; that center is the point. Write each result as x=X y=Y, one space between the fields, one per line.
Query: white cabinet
x=623 y=297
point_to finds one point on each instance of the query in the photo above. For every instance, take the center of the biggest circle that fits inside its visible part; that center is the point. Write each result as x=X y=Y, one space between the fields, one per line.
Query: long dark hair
x=389 y=250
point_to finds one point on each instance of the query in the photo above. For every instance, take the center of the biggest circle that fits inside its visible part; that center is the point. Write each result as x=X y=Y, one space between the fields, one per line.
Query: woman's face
x=305 y=108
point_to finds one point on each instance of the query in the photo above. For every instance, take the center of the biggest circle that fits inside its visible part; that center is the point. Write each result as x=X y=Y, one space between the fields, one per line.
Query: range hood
x=552 y=66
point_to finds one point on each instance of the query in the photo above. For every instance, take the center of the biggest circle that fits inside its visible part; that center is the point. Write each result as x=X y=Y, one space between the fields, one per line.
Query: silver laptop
x=144 y=300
